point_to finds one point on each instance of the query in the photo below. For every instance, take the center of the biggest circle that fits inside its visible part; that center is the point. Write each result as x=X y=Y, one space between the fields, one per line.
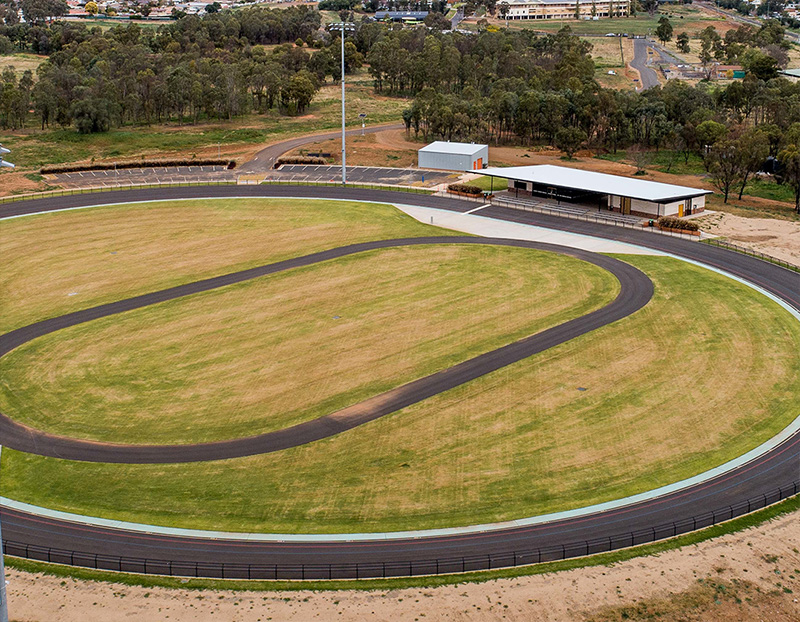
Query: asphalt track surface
x=189 y=556
x=635 y=292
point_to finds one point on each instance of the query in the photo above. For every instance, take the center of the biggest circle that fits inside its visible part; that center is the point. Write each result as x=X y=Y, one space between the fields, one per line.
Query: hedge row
x=110 y=166
x=465 y=188
x=299 y=160
x=671 y=222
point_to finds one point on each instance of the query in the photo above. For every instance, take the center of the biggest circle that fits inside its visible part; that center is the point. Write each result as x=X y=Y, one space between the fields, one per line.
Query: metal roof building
x=621 y=194
x=453 y=156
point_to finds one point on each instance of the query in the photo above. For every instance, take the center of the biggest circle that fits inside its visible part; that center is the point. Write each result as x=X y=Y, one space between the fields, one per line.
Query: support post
x=344 y=151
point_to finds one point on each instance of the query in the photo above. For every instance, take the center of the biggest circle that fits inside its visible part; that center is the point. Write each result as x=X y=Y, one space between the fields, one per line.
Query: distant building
x=565 y=9
x=727 y=72
x=401 y=16
x=453 y=156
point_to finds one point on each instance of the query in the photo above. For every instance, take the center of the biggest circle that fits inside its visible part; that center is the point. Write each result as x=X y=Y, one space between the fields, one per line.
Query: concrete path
x=472 y=222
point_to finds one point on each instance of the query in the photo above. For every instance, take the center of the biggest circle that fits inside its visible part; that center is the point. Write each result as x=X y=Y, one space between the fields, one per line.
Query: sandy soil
x=779 y=238
x=751 y=575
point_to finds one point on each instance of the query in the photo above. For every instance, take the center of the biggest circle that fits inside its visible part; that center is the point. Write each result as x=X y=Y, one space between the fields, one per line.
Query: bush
x=671 y=222
x=465 y=188
x=299 y=160
x=110 y=166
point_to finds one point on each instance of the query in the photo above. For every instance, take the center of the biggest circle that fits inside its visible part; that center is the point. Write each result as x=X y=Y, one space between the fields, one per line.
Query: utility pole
x=343 y=27
x=3 y=601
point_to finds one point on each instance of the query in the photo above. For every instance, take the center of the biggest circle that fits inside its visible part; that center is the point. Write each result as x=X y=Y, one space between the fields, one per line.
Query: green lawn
x=708 y=370
x=768 y=189
x=664 y=160
x=276 y=351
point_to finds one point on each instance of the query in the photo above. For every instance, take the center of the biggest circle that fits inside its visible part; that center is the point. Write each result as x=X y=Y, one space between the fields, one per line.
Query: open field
x=21 y=62
x=57 y=263
x=270 y=353
x=683 y=17
x=705 y=372
x=367 y=150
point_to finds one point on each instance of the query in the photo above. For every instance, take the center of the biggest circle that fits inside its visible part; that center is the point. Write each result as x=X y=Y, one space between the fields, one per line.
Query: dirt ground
x=779 y=238
x=747 y=576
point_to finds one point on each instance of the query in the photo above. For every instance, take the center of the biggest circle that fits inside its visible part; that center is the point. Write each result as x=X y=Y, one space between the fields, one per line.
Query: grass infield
x=61 y=262
x=275 y=351
x=705 y=372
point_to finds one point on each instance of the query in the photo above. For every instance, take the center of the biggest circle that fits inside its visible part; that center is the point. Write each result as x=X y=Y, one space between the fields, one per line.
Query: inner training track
x=635 y=292
x=106 y=547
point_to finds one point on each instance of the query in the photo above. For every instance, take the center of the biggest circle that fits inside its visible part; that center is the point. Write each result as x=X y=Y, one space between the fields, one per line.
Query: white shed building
x=626 y=195
x=454 y=156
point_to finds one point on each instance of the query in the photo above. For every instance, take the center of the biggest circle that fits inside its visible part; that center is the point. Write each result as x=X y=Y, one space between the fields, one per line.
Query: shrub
x=465 y=188
x=110 y=166
x=299 y=160
x=671 y=222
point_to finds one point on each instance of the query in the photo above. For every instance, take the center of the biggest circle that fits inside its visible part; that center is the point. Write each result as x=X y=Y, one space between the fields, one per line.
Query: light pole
x=3 y=601
x=343 y=27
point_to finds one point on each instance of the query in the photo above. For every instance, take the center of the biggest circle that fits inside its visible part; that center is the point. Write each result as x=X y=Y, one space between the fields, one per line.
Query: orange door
x=479 y=164
x=680 y=210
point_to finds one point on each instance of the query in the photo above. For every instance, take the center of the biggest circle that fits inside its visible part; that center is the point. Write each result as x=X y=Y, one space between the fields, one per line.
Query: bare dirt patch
x=750 y=575
x=779 y=238
x=367 y=150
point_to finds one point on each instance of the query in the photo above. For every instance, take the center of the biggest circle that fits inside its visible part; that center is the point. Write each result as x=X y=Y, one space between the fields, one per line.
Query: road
x=264 y=160
x=726 y=495
x=647 y=76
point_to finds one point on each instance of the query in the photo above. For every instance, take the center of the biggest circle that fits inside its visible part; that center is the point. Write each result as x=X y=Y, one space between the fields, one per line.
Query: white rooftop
x=602 y=183
x=441 y=146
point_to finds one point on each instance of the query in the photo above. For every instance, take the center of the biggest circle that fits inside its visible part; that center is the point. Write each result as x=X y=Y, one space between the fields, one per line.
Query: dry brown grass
x=56 y=263
x=276 y=351
x=705 y=372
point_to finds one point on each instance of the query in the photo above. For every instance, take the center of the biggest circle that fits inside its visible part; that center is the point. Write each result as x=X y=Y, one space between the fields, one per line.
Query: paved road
x=636 y=291
x=647 y=76
x=264 y=160
x=657 y=518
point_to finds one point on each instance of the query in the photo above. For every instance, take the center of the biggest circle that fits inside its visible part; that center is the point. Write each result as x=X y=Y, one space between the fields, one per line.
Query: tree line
x=516 y=88
x=211 y=67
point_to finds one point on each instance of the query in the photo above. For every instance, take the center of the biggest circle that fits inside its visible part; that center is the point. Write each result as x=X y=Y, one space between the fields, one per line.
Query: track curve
x=657 y=518
x=636 y=290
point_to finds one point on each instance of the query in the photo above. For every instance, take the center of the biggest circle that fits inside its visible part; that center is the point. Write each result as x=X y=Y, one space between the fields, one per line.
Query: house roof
x=602 y=183
x=441 y=146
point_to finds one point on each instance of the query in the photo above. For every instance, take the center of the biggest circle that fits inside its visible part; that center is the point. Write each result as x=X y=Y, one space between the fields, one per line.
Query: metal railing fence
x=389 y=569
x=753 y=253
